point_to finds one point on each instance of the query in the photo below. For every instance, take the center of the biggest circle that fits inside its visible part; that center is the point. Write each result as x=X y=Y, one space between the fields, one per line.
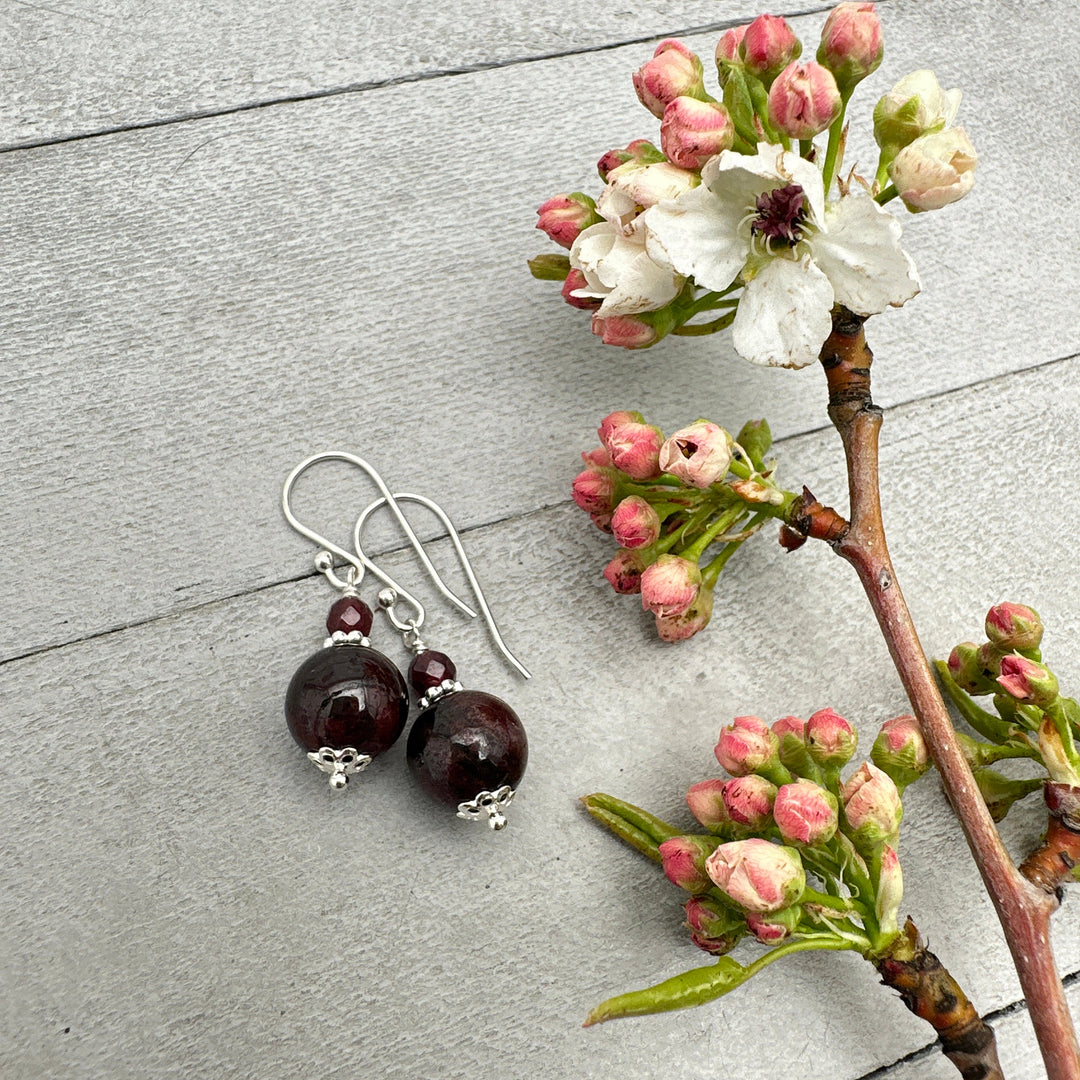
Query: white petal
x=785 y=314
x=603 y=252
x=742 y=178
x=698 y=234
x=642 y=286
x=859 y=252
x=615 y=204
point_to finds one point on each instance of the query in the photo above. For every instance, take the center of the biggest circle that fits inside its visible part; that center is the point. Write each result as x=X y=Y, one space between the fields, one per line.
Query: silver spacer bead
x=340 y=764
x=353 y=637
x=447 y=686
x=491 y=803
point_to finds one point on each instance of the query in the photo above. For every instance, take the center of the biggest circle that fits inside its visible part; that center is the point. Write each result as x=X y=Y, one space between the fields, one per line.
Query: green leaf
x=695 y=987
x=550 y=267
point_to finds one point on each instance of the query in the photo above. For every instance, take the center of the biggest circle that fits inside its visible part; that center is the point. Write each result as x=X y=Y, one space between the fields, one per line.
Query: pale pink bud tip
x=635 y=524
x=727 y=48
x=693 y=131
x=758 y=875
x=773 y=928
x=690 y=622
x=746 y=745
x=830 y=739
x=683 y=859
x=768 y=46
x=674 y=71
x=670 y=585
x=594 y=490
x=851 y=46
x=1014 y=626
x=804 y=100
x=624 y=572
x=565 y=216
x=576 y=282
x=699 y=455
x=626 y=331
x=935 y=170
x=614 y=419
x=635 y=449
x=901 y=751
x=706 y=802
x=749 y=801
x=806 y=813
x=1030 y=683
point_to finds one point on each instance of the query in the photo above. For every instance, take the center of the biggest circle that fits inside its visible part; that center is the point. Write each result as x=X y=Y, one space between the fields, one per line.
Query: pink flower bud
x=706 y=802
x=790 y=730
x=640 y=150
x=967 y=671
x=698 y=455
x=830 y=739
x=806 y=813
x=602 y=520
x=594 y=489
x=635 y=449
x=693 y=131
x=768 y=46
x=577 y=282
x=564 y=216
x=626 y=331
x=683 y=859
x=774 y=928
x=872 y=807
x=757 y=875
x=713 y=927
x=890 y=891
x=599 y=456
x=804 y=100
x=901 y=751
x=727 y=48
x=935 y=170
x=851 y=46
x=674 y=71
x=1029 y=683
x=692 y=621
x=1014 y=627
x=988 y=657
x=747 y=745
x=624 y=571
x=635 y=524
x=613 y=420
x=670 y=585
x=749 y=801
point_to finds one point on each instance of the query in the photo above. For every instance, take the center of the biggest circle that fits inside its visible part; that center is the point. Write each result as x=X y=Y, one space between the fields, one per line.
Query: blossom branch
x=1023 y=909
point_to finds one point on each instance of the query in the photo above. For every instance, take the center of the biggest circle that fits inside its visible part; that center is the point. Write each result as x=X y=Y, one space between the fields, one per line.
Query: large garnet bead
x=347 y=695
x=466 y=743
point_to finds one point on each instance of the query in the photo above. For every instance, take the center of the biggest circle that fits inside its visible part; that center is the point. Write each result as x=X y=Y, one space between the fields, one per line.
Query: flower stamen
x=781 y=215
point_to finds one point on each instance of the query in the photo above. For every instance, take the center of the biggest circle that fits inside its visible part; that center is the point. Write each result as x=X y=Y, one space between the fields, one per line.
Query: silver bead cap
x=340 y=764
x=491 y=803
x=429 y=697
x=340 y=637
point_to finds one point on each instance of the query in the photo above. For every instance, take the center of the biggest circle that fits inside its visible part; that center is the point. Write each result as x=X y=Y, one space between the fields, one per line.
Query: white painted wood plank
x=189 y=311
x=79 y=67
x=183 y=896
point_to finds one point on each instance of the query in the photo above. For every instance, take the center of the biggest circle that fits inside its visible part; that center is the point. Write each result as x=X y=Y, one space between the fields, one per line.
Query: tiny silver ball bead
x=338 y=781
x=324 y=561
x=387 y=598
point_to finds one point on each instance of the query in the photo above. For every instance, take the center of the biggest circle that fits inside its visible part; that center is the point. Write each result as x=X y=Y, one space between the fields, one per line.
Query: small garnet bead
x=348 y=614
x=347 y=695
x=430 y=669
x=466 y=743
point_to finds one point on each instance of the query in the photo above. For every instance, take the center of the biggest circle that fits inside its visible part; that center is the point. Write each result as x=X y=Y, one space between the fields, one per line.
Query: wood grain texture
x=79 y=67
x=190 y=310
x=184 y=896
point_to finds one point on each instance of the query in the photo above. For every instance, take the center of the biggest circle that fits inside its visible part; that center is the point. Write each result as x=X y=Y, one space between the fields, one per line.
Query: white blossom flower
x=619 y=270
x=763 y=221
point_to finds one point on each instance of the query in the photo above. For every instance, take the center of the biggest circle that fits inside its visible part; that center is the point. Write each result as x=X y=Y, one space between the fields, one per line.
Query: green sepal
x=986 y=724
x=740 y=105
x=550 y=267
x=979 y=754
x=759 y=96
x=999 y=792
x=755 y=438
x=694 y=987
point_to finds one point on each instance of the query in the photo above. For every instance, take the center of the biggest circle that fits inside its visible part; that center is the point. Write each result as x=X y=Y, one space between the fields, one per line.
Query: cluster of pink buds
x=786 y=816
x=678 y=507
x=1031 y=718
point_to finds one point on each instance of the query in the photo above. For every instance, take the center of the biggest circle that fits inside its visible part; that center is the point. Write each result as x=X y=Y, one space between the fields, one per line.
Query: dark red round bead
x=430 y=669
x=467 y=742
x=347 y=695
x=348 y=614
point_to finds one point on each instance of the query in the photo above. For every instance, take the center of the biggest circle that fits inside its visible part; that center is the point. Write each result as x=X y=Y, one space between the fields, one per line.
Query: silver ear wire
x=358 y=561
x=391 y=500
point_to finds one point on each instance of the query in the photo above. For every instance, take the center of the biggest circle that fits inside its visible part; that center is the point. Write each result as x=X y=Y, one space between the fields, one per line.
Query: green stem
x=721 y=525
x=800 y=945
x=701 y=329
x=836 y=131
x=712 y=572
x=886 y=195
x=805 y=146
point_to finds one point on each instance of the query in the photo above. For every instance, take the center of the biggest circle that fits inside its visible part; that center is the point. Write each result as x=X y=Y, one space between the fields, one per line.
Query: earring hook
x=358 y=561
x=455 y=539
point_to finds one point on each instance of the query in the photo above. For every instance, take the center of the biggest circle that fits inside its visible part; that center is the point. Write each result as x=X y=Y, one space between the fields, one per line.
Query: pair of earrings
x=348 y=702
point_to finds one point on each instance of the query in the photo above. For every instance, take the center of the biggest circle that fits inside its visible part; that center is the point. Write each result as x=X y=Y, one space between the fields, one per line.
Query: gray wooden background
x=233 y=234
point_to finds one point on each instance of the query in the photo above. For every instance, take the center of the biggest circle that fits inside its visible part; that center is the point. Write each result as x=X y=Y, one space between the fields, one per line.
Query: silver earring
x=467 y=748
